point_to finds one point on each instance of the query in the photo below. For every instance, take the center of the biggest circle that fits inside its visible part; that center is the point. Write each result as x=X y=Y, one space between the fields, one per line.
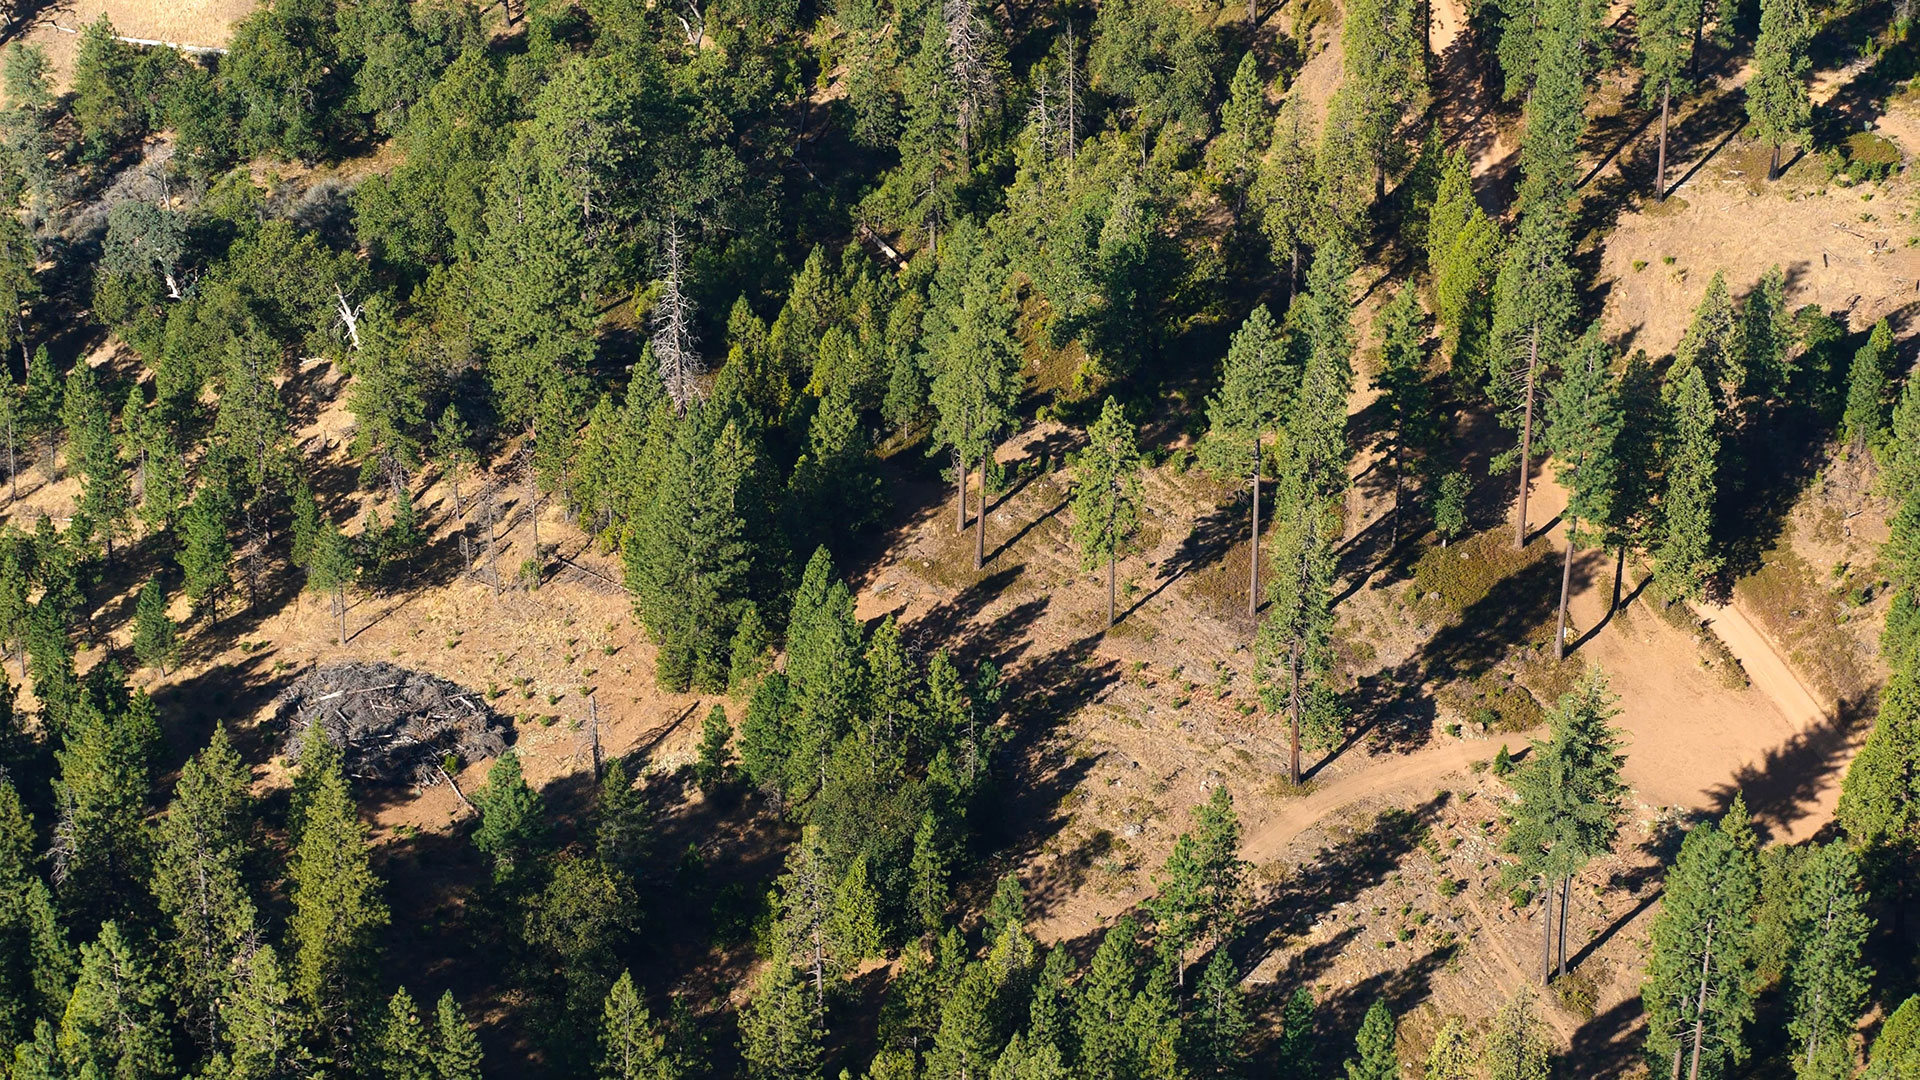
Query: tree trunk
x=1293 y=706
x=1700 y=1006
x=1773 y=165
x=1660 y=173
x=1619 y=572
x=959 y=493
x=1110 y=589
x=980 y=524
x=1526 y=438
x=1566 y=894
x=340 y=606
x=1253 y=556
x=1393 y=531
x=1253 y=12
x=1546 y=936
x=1566 y=584
x=13 y=467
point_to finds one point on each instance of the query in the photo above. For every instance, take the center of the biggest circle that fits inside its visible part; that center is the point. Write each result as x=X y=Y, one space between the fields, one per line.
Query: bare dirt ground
x=188 y=22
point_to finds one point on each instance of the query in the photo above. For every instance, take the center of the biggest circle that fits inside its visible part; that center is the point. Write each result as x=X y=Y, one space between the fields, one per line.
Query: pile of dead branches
x=392 y=725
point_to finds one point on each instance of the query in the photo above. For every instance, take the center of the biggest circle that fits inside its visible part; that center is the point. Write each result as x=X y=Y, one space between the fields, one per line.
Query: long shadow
x=1210 y=537
x=1007 y=544
x=1599 y=941
x=1608 y=1046
x=1514 y=608
x=1337 y=876
x=1781 y=787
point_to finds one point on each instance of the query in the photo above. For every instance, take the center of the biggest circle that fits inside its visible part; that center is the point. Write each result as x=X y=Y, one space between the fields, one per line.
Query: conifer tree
x=10 y=430
x=1244 y=129
x=1287 y=189
x=1452 y=1056
x=1374 y=1048
x=1295 y=640
x=1667 y=31
x=338 y=914
x=116 y=1022
x=155 y=641
x=1402 y=383
x=456 y=1049
x=403 y=1047
x=106 y=498
x=976 y=379
x=1711 y=344
x=205 y=548
x=1778 y=107
x=1865 y=419
x=1686 y=553
x=928 y=872
x=1699 y=989
x=1900 y=454
x=688 y=555
x=1826 y=978
x=1199 y=887
x=1880 y=798
x=40 y=412
x=16 y=554
x=780 y=1030
x=1215 y=1033
x=1516 y=1046
x=1106 y=493
x=1584 y=425
x=1463 y=255
x=1570 y=803
x=1896 y=1052
x=1533 y=304
x=200 y=880
x=1242 y=413
x=630 y=1047
x=331 y=569
x=36 y=964
x=513 y=827
x=102 y=851
x=384 y=397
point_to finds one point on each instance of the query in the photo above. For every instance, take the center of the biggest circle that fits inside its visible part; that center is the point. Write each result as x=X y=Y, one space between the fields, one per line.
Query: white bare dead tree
x=693 y=22
x=349 y=316
x=674 y=344
x=972 y=51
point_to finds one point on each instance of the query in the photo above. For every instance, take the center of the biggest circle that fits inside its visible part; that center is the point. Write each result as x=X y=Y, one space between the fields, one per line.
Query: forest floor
x=1377 y=877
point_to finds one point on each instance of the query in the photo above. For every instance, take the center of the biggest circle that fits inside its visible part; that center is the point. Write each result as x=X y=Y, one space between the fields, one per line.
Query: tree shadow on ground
x=1608 y=1046
x=1336 y=876
x=1782 y=787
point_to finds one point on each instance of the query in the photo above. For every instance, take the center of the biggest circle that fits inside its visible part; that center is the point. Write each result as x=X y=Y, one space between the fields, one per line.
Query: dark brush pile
x=392 y=725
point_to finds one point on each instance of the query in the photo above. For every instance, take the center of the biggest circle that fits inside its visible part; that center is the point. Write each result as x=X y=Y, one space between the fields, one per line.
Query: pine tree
x=630 y=1047
x=106 y=498
x=1865 y=419
x=1900 y=453
x=1584 y=425
x=854 y=926
x=1294 y=645
x=1712 y=345
x=688 y=555
x=403 y=1048
x=1570 y=803
x=200 y=880
x=102 y=851
x=338 y=914
x=1244 y=129
x=16 y=555
x=263 y=1029
x=40 y=407
x=456 y=1049
x=1667 y=31
x=384 y=397
x=513 y=827
x=716 y=733
x=1699 y=989
x=1286 y=192
x=780 y=1031
x=1240 y=415
x=1106 y=493
x=928 y=872
x=976 y=379
x=1452 y=1056
x=1533 y=304
x=1375 y=1057
x=10 y=430
x=331 y=569
x=1826 y=979
x=1105 y=1002
x=1686 y=550
x=1896 y=1052
x=36 y=964
x=116 y=1023
x=1402 y=383
x=1516 y=1047
x=104 y=106
x=1880 y=798
x=1777 y=103
x=1215 y=1033
x=206 y=551
x=155 y=641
